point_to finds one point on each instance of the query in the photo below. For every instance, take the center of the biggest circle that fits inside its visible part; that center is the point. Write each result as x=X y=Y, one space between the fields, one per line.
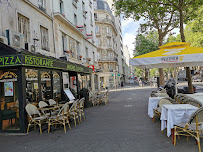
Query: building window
x=44 y=38
x=61 y=7
x=97 y=29
x=90 y=3
x=93 y=56
x=75 y=3
x=64 y=42
x=24 y=27
x=95 y=4
x=109 y=42
x=105 y=6
x=78 y=50
x=72 y=47
x=97 y=42
x=41 y=4
x=95 y=16
x=107 y=30
x=75 y=19
x=91 y=22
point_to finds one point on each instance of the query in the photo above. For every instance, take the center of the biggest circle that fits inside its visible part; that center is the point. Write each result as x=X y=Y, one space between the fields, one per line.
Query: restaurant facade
x=26 y=77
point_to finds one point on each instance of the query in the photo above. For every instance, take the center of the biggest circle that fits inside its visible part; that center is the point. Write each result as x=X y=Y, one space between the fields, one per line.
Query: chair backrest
x=52 y=102
x=162 y=95
x=42 y=104
x=32 y=110
x=81 y=103
x=196 y=117
x=194 y=103
x=63 y=110
x=74 y=106
x=163 y=102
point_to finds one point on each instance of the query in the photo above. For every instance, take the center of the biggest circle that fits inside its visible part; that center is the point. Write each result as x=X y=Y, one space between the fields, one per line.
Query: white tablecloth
x=196 y=96
x=175 y=114
x=152 y=104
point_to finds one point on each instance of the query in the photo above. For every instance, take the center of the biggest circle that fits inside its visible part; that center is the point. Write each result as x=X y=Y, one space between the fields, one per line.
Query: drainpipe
x=53 y=28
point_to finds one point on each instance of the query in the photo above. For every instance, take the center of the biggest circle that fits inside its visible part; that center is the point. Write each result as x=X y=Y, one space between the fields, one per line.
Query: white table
x=152 y=104
x=175 y=114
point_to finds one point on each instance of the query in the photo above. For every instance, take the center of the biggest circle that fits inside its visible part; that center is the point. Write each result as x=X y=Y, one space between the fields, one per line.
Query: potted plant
x=89 y=59
x=80 y=57
x=84 y=92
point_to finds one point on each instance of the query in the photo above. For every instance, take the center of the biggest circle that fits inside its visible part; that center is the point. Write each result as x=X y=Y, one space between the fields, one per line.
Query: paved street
x=121 y=126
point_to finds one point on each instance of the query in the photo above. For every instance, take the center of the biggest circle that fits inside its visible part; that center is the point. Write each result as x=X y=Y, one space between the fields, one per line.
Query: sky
x=129 y=32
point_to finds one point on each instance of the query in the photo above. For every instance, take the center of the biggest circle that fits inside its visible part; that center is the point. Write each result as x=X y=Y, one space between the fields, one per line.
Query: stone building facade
x=106 y=34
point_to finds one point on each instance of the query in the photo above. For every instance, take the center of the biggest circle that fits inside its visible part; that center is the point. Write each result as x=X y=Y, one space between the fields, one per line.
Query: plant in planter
x=89 y=59
x=84 y=92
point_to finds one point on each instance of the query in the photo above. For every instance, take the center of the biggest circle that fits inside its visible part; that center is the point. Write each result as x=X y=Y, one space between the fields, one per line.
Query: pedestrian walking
x=122 y=85
x=140 y=83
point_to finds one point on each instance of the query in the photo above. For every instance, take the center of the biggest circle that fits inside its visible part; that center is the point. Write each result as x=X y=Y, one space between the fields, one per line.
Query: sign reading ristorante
x=36 y=61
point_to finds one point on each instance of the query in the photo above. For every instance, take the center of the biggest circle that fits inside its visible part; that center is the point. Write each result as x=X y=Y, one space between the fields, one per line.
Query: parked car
x=170 y=88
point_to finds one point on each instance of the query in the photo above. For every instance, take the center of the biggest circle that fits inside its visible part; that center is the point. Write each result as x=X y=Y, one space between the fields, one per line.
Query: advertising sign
x=8 y=88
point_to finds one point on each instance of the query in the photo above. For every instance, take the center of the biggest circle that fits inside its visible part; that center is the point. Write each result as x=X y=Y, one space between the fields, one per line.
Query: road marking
x=129 y=98
x=128 y=106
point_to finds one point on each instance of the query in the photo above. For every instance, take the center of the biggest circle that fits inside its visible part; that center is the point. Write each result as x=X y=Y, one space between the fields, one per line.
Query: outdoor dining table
x=152 y=104
x=175 y=114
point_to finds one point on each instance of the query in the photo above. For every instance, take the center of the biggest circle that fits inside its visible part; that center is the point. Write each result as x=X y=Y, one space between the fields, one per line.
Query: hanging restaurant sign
x=45 y=76
x=31 y=75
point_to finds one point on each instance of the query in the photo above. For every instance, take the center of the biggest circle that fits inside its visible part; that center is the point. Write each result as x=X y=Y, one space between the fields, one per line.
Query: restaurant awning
x=175 y=54
x=10 y=56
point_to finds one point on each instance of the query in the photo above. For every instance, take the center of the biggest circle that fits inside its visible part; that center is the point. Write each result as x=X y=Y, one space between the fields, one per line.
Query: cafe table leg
x=172 y=131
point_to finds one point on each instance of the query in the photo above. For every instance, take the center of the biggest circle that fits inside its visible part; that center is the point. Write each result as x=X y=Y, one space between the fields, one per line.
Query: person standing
x=140 y=83
x=122 y=85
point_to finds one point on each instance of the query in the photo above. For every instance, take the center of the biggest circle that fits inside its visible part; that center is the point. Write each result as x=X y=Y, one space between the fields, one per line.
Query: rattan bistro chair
x=32 y=111
x=157 y=111
x=61 y=118
x=80 y=108
x=73 y=112
x=52 y=102
x=194 y=103
x=191 y=128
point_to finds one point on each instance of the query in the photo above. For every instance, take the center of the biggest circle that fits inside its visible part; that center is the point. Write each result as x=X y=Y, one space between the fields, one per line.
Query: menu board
x=69 y=94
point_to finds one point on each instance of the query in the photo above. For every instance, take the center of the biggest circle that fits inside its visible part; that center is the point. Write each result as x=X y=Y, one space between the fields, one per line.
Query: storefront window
x=56 y=87
x=65 y=80
x=9 y=105
x=46 y=85
x=73 y=84
x=32 y=86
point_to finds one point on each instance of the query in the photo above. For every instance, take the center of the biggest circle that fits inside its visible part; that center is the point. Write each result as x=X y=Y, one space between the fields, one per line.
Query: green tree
x=172 y=38
x=139 y=72
x=194 y=29
x=162 y=18
x=145 y=43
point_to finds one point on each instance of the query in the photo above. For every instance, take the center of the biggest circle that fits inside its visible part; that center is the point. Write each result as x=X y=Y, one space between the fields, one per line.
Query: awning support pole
x=176 y=80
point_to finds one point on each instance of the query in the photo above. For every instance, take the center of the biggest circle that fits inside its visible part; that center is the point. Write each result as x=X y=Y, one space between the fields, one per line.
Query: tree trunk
x=161 y=77
x=161 y=71
x=189 y=80
x=146 y=75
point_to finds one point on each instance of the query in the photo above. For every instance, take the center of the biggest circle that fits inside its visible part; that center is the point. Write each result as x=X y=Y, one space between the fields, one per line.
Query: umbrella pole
x=176 y=80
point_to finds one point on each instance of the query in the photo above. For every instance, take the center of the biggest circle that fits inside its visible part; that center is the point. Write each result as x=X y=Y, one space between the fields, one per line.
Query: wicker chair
x=93 y=98
x=194 y=103
x=191 y=128
x=52 y=102
x=80 y=108
x=162 y=95
x=61 y=118
x=157 y=111
x=73 y=112
x=32 y=111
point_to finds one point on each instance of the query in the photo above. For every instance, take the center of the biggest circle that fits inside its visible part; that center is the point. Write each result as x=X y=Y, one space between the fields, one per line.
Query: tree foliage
x=194 y=29
x=146 y=43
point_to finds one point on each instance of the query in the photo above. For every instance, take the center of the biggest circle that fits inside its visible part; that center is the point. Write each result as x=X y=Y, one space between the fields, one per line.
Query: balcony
x=107 y=59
